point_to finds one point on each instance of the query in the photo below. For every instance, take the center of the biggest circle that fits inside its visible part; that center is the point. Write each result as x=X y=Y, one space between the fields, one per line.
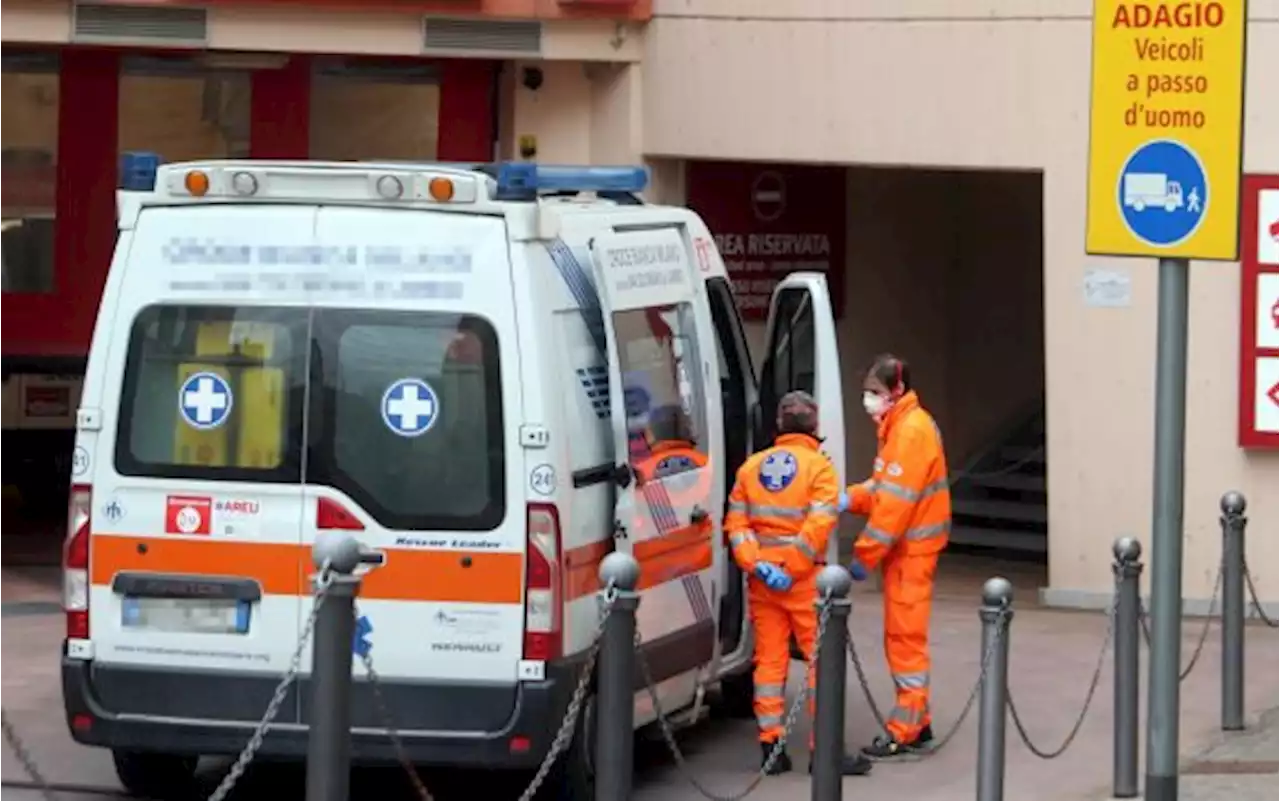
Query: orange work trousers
x=775 y=616
x=908 y=599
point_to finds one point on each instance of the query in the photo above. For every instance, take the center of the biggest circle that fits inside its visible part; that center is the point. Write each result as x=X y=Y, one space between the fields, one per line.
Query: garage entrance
x=941 y=267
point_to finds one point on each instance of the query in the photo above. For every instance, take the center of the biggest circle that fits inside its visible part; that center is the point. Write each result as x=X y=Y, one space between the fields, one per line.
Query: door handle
x=622 y=475
x=698 y=515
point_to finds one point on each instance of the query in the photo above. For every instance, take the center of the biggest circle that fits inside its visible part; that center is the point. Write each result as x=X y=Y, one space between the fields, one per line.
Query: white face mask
x=874 y=403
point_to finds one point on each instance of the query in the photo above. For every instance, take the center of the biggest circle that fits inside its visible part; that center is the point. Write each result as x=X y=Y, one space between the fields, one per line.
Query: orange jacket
x=907 y=500
x=783 y=507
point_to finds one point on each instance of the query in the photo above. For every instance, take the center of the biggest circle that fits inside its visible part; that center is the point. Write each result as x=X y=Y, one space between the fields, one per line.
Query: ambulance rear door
x=413 y=449
x=803 y=354
x=661 y=416
x=194 y=447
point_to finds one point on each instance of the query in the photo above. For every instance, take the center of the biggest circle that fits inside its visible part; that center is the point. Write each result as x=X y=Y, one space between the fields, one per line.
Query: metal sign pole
x=1166 y=534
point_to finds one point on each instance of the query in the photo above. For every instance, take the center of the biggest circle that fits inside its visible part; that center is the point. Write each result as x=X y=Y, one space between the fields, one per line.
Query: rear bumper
x=533 y=711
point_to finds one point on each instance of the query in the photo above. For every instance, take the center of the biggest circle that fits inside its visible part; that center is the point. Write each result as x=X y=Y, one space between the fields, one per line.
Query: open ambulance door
x=661 y=419
x=803 y=354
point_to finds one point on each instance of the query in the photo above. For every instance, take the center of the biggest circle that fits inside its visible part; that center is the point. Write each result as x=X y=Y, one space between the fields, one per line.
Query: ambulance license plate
x=186 y=615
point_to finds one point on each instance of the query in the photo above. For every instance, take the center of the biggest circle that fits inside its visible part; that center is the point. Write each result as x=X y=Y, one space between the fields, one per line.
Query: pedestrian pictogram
x=1163 y=193
x=1267 y=328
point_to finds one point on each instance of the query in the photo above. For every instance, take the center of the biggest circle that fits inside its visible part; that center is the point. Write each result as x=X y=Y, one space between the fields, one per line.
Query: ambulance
x=460 y=366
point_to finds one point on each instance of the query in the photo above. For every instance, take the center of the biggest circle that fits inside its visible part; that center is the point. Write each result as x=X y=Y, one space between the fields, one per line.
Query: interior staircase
x=1000 y=498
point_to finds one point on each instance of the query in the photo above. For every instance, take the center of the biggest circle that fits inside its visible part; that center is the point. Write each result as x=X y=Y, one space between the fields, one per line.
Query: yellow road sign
x=1165 y=129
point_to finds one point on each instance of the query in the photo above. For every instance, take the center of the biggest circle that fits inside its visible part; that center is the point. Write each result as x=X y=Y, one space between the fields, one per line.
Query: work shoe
x=887 y=747
x=850 y=765
x=780 y=765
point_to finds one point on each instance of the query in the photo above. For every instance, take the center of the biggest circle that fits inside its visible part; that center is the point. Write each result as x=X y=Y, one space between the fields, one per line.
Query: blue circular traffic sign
x=1163 y=192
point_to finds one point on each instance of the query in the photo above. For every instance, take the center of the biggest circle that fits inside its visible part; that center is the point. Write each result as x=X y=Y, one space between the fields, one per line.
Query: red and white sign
x=1260 y=312
x=771 y=220
x=187 y=514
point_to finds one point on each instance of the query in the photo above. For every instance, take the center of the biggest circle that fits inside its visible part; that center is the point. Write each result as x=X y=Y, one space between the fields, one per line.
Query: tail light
x=75 y=562
x=333 y=516
x=542 y=594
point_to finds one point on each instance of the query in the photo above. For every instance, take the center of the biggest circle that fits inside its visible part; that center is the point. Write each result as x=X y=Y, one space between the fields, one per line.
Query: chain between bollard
x=19 y=749
x=921 y=753
x=323 y=582
x=793 y=715
x=1088 y=698
x=1257 y=604
x=1204 y=629
x=247 y=754
x=564 y=735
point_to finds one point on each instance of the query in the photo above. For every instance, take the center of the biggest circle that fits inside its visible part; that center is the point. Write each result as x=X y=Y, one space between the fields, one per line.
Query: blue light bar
x=138 y=171
x=519 y=180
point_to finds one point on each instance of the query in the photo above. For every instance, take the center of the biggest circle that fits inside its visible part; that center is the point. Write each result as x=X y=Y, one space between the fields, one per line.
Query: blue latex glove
x=774 y=577
x=844 y=501
x=857 y=571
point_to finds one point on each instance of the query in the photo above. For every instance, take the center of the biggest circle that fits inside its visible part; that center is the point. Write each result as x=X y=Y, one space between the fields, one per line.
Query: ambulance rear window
x=214 y=392
x=407 y=417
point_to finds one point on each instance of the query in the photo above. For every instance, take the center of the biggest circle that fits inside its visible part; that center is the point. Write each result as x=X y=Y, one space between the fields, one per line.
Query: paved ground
x=1052 y=658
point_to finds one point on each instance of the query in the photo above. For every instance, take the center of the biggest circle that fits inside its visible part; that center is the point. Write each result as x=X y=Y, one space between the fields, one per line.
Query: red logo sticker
x=184 y=514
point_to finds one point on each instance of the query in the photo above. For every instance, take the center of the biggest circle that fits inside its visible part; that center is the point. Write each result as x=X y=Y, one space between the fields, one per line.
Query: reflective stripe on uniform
x=738 y=538
x=788 y=541
x=917 y=533
x=819 y=508
x=738 y=506
x=766 y=691
x=882 y=537
x=912 y=681
x=910 y=717
x=910 y=495
x=769 y=721
x=785 y=512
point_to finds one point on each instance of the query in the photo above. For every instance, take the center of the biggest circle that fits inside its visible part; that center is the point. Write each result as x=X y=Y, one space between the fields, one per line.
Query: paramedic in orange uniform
x=907 y=502
x=782 y=510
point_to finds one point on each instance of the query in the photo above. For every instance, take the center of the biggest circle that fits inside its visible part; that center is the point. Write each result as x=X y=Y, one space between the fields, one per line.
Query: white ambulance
x=493 y=375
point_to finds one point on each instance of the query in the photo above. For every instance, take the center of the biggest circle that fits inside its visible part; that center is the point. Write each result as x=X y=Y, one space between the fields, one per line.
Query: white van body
x=448 y=380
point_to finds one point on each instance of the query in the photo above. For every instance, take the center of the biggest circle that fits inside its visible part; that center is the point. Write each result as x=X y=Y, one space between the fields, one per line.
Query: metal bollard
x=1233 y=610
x=996 y=612
x=615 y=680
x=834 y=583
x=329 y=738
x=1128 y=571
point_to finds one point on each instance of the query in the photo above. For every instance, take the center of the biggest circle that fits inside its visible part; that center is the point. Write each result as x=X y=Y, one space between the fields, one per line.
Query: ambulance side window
x=661 y=379
x=213 y=392
x=791 y=354
x=736 y=375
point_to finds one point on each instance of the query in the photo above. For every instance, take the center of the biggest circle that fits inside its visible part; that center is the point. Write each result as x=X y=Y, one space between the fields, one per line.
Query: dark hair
x=891 y=371
x=797 y=413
